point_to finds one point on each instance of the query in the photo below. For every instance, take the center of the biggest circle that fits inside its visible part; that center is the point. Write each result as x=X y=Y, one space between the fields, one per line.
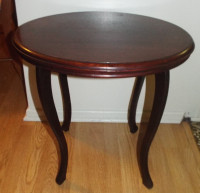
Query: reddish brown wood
x=148 y=132
x=8 y=24
x=133 y=103
x=46 y=98
x=103 y=44
x=66 y=101
x=106 y=45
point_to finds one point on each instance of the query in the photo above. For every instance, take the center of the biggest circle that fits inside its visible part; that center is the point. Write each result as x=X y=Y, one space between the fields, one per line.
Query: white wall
x=107 y=100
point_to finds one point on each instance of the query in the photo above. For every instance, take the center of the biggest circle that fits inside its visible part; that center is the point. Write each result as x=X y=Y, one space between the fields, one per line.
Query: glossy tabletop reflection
x=109 y=44
x=104 y=45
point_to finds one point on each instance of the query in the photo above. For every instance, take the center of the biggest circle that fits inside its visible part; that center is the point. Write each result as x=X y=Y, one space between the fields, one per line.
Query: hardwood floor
x=102 y=156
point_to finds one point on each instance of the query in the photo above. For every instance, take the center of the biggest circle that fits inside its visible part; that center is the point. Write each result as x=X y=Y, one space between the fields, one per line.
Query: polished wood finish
x=46 y=98
x=66 y=101
x=147 y=132
x=103 y=157
x=106 y=45
x=103 y=154
x=103 y=44
x=8 y=23
x=133 y=103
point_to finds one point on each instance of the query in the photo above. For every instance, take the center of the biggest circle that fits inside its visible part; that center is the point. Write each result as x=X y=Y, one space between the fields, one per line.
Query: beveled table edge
x=104 y=70
x=93 y=70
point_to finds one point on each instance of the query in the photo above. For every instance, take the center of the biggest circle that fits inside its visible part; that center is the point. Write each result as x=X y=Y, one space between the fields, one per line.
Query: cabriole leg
x=45 y=93
x=148 y=132
x=133 y=103
x=66 y=101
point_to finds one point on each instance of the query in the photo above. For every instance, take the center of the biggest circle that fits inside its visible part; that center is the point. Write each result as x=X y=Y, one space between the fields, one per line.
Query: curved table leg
x=46 y=98
x=147 y=134
x=133 y=103
x=66 y=101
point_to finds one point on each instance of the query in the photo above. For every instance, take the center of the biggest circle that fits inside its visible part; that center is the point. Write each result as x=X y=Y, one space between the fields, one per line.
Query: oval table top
x=103 y=44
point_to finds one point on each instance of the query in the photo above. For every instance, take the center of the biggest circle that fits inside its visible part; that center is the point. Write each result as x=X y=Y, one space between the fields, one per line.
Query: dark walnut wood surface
x=103 y=44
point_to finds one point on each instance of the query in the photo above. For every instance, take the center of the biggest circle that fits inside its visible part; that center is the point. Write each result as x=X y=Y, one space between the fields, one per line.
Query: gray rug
x=195 y=126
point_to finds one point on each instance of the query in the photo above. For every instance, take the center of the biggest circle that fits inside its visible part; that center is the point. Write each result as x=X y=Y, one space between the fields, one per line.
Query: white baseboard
x=196 y=119
x=102 y=116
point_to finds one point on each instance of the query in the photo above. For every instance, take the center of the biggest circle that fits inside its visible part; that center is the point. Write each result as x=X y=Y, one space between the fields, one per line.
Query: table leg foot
x=133 y=103
x=148 y=183
x=66 y=101
x=43 y=78
x=148 y=131
x=60 y=179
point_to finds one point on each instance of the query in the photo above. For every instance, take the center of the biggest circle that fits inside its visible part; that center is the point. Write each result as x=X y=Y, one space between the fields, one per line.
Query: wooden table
x=103 y=45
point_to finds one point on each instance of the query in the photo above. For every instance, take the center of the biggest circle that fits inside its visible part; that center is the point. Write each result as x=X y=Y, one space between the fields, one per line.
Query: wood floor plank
x=102 y=156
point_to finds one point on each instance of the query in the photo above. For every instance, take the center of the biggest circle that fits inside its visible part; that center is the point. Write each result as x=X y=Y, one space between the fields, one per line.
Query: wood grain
x=12 y=110
x=101 y=159
x=101 y=155
x=8 y=23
